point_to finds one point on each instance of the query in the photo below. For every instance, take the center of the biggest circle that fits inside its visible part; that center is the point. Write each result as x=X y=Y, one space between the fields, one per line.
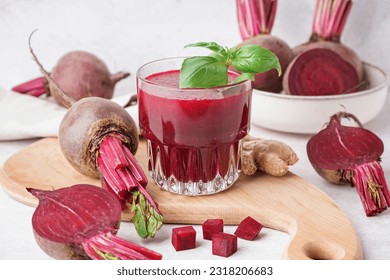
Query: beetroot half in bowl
x=308 y=114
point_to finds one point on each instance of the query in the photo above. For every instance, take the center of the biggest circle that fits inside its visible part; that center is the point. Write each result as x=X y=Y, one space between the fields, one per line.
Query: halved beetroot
x=184 y=238
x=211 y=227
x=248 y=229
x=224 y=244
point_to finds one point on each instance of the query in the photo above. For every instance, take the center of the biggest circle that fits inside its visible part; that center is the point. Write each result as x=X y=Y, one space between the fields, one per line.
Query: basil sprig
x=212 y=70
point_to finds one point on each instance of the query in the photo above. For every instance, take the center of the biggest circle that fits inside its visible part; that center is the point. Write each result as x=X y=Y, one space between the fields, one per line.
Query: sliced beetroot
x=345 y=154
x=224 y=244
x=322 y=70
x=248 y=229
x=211 y=227
x=183 y=238
x=80 y=222
x=323 y=65
x=255 y=20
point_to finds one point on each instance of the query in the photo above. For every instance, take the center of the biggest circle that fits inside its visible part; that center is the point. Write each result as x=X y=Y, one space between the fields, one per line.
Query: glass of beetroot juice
x=193 y=135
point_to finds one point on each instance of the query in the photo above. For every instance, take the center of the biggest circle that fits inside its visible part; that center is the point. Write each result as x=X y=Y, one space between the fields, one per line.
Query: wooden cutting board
x=318 y=227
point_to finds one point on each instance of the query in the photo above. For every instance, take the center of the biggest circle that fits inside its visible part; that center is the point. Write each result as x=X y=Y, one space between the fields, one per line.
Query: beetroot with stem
x=346 y=154
x=79 y=73
x=81 y=222
x=98 y=138
x=325 y=66
x=255 y=19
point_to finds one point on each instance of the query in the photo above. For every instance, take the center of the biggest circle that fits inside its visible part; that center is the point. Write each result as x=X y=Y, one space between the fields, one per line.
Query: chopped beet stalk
x=35 y=87
x=345 y=154
x=80 y=222
x=184 y=238
x=123 y=175
x=248 y=229
x=211 y=227
x=224 y=244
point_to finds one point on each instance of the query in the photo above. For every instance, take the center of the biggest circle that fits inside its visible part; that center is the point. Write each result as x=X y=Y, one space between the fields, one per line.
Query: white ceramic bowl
x=308 y=114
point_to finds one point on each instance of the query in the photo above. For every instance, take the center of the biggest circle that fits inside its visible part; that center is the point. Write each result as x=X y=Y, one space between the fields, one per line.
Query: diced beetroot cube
x=224 y=244
x=183 y=238
x=248 y=229
x=211 y=227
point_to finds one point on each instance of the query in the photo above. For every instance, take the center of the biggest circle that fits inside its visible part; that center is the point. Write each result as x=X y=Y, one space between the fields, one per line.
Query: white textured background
x=126 y=34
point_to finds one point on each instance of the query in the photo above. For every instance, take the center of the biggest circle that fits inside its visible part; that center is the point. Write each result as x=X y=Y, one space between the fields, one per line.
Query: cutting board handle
x=319 y=243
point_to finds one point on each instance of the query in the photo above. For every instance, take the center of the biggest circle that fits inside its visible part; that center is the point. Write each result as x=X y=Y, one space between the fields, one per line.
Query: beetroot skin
x=211 y=227
x=84 y=126
x=82 y=74
x=224 y=244
x=270 y=81
x=248 y=229
x=80 y=222
x=184 y=238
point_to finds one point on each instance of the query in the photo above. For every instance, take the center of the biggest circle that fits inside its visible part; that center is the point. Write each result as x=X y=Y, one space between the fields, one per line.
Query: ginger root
x=270 y=156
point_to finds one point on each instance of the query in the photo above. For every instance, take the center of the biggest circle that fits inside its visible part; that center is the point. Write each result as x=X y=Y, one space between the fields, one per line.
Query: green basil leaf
x=255 y=59
x=222 y=57
x=209 y=45
x=244 y=77
x=202 y=72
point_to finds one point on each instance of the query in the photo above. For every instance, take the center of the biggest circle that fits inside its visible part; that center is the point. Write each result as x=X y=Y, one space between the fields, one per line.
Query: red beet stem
x=255 y=17
x=108 y=246
x=124 y=176
x=35 y=87
x=330 y=17
x=371 y=185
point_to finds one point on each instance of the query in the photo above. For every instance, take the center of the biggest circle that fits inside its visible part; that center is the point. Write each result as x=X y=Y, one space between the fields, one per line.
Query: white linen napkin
x=27 y=117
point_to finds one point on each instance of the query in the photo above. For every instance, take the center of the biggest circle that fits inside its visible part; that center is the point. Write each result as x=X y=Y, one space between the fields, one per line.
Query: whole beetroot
x=98 y=138
x=85 y=125
x=82 y=74
x=78 y=73
x=255 y=19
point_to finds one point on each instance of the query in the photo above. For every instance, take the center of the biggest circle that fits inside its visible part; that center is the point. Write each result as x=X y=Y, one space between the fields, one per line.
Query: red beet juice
x=193 y=134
